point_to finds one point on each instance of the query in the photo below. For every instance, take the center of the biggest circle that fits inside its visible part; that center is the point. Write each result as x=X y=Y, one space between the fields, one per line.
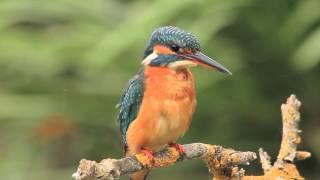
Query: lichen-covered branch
x=265 y=160
x=284 y=167
x=221 y=162
x=290 y=131
x=113 y=168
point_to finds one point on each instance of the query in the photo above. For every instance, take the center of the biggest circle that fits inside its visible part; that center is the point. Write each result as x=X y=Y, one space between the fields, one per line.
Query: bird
x=157 y=106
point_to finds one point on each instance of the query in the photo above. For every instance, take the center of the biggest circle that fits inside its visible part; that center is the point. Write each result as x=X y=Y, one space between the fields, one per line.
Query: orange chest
x=171 y=94
x=166 y=84
x=168 y=104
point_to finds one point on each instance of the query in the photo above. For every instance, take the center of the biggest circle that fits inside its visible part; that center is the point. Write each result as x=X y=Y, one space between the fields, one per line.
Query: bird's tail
x=140 y=175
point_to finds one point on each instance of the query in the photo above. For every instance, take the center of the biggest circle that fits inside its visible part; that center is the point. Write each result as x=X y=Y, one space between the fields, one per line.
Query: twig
x=265 y=160
x=290 y=131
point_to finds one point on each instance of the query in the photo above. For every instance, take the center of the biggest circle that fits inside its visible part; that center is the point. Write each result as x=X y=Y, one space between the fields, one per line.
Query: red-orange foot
x=148 y=153
x=178 y=147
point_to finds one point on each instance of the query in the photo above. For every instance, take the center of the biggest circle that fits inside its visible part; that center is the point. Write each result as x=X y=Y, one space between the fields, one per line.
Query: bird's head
x=177 y=49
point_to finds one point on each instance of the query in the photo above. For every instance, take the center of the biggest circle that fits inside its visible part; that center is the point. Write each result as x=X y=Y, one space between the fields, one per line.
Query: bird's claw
x=178 y=147
x=148 y=153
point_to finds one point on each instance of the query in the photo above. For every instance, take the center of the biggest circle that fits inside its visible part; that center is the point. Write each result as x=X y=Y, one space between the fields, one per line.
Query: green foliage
x=64 y=63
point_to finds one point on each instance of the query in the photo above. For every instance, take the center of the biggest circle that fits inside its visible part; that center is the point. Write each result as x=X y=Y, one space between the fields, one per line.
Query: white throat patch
x=149 y=58
x=182 y=64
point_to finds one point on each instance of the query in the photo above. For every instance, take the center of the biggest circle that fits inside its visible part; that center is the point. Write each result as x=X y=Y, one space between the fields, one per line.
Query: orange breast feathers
x=166 y=110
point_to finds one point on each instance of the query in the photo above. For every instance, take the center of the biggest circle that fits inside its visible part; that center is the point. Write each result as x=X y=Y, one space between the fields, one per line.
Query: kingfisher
x=157 y=105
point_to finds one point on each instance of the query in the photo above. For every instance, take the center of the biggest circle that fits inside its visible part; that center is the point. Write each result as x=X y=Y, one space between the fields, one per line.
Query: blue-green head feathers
x=172 y=37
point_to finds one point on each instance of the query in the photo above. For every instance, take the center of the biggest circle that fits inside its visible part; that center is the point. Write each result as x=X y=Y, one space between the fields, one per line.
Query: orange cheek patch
x=160 y=49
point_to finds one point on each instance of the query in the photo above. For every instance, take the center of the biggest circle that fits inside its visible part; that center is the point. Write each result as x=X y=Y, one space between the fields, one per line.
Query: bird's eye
x=174 y=48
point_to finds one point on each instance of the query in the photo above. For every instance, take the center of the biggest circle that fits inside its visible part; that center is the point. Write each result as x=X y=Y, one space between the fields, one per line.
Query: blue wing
x=129 y=104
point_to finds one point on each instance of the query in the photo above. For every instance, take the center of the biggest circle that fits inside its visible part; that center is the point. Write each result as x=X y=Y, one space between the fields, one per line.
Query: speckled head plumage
x=174 y=48
x=173 y=37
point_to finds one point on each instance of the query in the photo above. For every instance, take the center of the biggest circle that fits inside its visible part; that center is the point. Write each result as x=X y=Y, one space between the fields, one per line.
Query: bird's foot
x=148 y=153
x=178 y=147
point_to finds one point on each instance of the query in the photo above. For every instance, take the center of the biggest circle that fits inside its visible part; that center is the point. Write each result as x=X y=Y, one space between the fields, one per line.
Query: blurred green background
x=64 y=63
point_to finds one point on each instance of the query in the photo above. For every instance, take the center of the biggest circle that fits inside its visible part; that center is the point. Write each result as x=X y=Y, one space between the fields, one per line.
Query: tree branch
x=284 y=167
x=112 y=168
x=221 y=162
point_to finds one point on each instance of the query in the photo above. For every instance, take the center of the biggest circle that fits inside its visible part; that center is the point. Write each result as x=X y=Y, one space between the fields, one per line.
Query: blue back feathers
x=129 y=104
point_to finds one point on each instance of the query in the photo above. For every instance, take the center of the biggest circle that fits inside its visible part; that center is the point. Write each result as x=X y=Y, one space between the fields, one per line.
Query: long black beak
x=204 y=59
